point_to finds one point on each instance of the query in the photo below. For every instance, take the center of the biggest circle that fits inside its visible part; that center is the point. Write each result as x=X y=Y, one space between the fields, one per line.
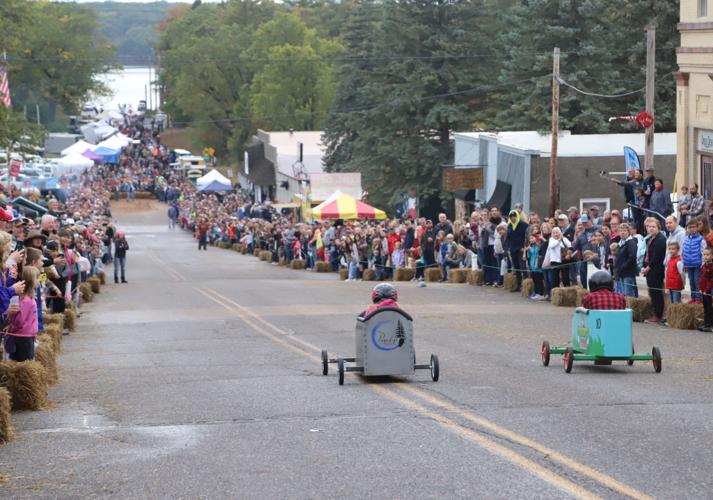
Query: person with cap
x=523 y=216
x=595 y=216
x=601 y=294
x=517 y=234
x=121 y=246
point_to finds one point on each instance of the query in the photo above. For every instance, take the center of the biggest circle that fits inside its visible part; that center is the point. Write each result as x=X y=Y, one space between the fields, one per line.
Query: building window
x=702 y=8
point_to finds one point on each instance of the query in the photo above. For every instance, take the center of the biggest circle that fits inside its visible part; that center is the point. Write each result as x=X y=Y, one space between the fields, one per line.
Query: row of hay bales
x=23 y=386
x=681 y=316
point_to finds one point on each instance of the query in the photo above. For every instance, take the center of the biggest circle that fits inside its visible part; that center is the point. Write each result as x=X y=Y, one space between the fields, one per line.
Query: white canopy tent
x=73 y=162
x=116 y=141
x=78 y=147
x=211 y=176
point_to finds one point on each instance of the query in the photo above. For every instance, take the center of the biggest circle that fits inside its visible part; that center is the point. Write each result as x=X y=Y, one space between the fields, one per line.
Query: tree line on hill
x=388 y=81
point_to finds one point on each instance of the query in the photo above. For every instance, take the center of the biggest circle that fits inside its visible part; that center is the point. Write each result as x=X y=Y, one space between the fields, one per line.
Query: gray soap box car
x=384 y=346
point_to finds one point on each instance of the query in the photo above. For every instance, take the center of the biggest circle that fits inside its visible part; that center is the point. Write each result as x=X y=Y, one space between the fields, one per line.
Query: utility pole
x=650 y=92
x=554 y=193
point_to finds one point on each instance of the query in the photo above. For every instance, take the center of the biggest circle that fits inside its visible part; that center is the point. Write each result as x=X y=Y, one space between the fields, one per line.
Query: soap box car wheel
x=568 y=359
x=656 y=358
x=434 y=368
x=545 y=353
x=340 y=367
x=630 y=362
x=325 y=363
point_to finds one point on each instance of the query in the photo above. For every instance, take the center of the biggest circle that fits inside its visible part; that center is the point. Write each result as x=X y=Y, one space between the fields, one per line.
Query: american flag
x=4 y=86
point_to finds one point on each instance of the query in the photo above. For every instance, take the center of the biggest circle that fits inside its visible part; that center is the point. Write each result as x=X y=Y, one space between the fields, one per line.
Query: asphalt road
x=201 y=379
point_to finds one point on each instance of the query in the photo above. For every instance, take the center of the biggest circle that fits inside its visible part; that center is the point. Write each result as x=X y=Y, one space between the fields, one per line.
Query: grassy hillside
x=131 y=28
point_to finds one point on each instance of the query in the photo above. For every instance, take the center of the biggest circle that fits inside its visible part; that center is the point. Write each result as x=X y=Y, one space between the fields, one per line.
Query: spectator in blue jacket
x=692 y=257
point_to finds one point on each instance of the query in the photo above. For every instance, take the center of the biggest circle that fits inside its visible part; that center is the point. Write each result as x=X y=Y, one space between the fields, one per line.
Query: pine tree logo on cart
x=388 y=335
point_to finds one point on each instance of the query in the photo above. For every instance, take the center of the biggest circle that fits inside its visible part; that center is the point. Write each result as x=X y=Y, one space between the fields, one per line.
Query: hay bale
x=343 y=274
x=85 y=289
x=322 y=267
x=640 y=307
x=256 y=252
x=298 y=264
x=369 y=275
x=684 y=316
x=55 y=333
x=475 y=277
x=70 y=319
x=6 y=431
x=46 y=356
x=27 y=384
x=238 y=247
x=404 y=274
x=94 y=284
x=564 y=297
x=528 y=287
x=102 y=277
x=510 y=282
x=581 y=292
x=433 y=274
x=457 y=275
x=265 y=255
x=53 y=319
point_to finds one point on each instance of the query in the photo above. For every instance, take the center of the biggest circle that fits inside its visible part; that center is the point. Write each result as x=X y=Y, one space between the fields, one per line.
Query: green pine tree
x=422 y=83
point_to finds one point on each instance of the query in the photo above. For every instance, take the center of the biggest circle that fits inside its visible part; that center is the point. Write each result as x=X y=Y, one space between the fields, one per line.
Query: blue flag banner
x=631 y=159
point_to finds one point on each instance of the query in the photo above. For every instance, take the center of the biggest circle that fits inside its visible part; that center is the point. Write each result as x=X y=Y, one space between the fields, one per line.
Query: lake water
x=129 y=86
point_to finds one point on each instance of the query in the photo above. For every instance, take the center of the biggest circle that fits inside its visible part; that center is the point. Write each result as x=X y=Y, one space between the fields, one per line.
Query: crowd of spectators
x=645 y=240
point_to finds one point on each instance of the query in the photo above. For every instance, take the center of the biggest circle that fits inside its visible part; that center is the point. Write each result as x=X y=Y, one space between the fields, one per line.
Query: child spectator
x=398 y=257
x=22 y=319
x=499 y=250
x=675 y=273
x=534 y=264
x=692 y=257
x=705 y=285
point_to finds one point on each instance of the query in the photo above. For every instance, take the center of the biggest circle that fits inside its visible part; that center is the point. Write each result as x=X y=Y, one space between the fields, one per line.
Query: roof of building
x=286 y=143
x=588 y=145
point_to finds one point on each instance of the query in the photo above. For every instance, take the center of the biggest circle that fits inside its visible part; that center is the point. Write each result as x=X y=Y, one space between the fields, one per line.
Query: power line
x=606 y=96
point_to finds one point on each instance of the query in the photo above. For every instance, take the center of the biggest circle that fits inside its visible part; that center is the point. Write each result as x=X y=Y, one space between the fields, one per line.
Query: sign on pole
x=455 y=179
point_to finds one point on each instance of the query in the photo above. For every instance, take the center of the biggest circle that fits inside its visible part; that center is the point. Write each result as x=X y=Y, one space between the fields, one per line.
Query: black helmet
x=384 y=291
x=599 y=280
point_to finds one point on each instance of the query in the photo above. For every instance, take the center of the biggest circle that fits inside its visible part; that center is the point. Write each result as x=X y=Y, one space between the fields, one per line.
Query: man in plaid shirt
x=695 y=205
x=602 y=295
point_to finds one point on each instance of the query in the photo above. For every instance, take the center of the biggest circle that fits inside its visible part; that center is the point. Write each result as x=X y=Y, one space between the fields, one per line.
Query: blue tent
x=108 y=155
x=215 y=187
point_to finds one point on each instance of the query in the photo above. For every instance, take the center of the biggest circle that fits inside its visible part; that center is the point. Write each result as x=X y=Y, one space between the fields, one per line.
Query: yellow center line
x=551 y=454
x=471 y=435
x=265 y=322
x=493 y=447
x=167 y=269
